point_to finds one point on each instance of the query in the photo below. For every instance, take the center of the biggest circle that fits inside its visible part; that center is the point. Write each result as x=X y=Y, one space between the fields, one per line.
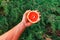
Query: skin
x=15 y=32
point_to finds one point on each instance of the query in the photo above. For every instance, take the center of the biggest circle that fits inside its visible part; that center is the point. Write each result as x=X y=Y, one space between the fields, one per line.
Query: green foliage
x=11 y=12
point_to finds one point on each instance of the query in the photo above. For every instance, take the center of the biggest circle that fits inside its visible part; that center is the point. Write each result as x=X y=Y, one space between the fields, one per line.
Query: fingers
x=39 y=13
x=24 y=16
x=27 y=12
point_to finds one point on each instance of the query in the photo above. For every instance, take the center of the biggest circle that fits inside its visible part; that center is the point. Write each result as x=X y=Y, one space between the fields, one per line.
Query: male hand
x=24 y=19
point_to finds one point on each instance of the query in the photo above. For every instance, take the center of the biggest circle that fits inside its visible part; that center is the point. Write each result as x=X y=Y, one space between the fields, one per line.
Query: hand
x=24 y=19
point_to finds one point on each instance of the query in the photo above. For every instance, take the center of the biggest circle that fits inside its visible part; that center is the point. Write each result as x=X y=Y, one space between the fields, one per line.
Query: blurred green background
x=11 y=12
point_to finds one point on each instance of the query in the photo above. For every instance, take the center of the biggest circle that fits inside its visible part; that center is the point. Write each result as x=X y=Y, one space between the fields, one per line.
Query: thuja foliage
x=11 y=12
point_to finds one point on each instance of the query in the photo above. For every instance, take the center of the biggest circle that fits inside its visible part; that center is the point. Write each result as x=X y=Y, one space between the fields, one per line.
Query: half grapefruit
x=33 y=16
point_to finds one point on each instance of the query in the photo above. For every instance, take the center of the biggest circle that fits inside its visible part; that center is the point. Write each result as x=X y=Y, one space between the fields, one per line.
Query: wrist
x=23 y=24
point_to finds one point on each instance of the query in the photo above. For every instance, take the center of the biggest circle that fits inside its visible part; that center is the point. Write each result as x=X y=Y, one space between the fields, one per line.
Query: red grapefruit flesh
x=33 y=16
